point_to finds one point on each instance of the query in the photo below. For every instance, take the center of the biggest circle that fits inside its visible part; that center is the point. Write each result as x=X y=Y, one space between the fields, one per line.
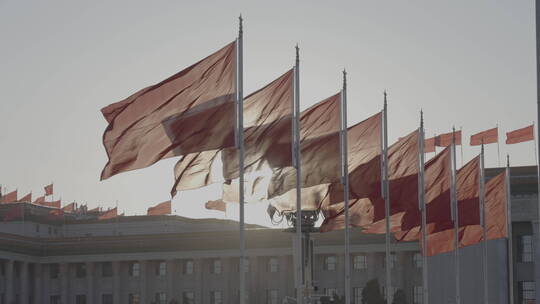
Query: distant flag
x=94 y=210
x=69 y=208
x=9 y=198
x=109 y=214
x=48 y=189
x=217 y=205
x=26 y=199
x=53 y=204
x=14 y=213
x=40 y=200
x=429 y=145
x=55 y=214
x=445 y=140
x=490 y=136
x=160 y=209
x=520 y=135
x=189 y=112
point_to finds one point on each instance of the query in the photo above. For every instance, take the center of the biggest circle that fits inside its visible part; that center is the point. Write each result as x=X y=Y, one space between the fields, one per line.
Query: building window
x=527 y=292
x=161 y=298
x=393 y=259
x=107 y=298
x=161 y=269
x=80 y=270
x=526 y=249
x=357 y=295
x=331 y=292
x=273 y=265
x=54 y=271
x=134 y=298
x=418 y=261
x=418 y=295
x=80 y=299
x=134 y=269
x=330 y=262
x=360 y=262
x=216 y=266
x=188 y=267
x=106 y=269
x=54 y=299
x=215 y=297
x=272 y=296
x=188 y=297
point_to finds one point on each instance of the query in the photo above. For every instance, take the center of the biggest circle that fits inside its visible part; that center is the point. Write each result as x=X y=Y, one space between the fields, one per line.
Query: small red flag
x=217 y=205
x=40 y=200
x=520 y=135
x=9 y=198
x=26 y=199
x=95 y=210
x=109 y=214
x=53 y=204
x=160 y=209
x=429 y=145
x=490 y=136
x=445 y=140
x=14 y=213
x=48 y=189
x=69 y=208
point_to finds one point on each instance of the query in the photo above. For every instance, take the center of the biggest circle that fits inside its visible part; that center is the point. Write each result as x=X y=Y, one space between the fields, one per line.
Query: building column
x=9 y=281
x=38 y=279
x=199 y=283
x=142 y=281
x=116 y=282
x=64 y=278
x=170 y=280
x=89 y=282
x=24 y=283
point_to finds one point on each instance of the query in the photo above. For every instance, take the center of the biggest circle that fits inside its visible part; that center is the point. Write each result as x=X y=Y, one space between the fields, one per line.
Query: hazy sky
x=468 y=63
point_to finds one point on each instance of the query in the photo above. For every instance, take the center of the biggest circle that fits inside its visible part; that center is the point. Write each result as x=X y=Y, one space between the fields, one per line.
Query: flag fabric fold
x=163 y=208
x=191 y=111
x=40 y=200
x=217 y=205
x=69 y=208
x=26 y=199
x=52 y=204
x=520 y=135
x=485 y=137
x=429 y=145
x=445 y=140
x=109 y=214
x=11 y=197
x=48 y=189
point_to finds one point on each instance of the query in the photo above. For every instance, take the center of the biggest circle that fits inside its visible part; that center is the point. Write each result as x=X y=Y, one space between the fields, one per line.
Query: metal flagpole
x=422 y=207
x=482 y=202
x=461 y=144
x=240 y=146
x=455 y=214
x=345 y=182
x=296 y=158
x=537 y=145
x=498 y=147
x=386 y=194
x=509 y=232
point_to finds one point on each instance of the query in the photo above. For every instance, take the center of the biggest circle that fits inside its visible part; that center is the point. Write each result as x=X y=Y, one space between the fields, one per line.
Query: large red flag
x=520 y=135
x=160 y=209
x=217 y=205
x=485 y=137
x=191 y=111
x=48 y=189
x=69 y=208
x=109 y=214
x=9 y=198
x=53 y=204
x=445 y=140
x=267 y=119
x=26 y=199
x=429 y=145
x=40 y=200
x=14 y=213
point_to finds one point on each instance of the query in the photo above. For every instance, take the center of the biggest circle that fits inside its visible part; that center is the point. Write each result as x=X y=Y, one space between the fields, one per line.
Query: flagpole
x=461 y=144
x=509 y=232
x=386 y=194
x=345 y=182
x=482 y=206
x=296 y=158
x=240 y=145
x=537 y=143
x=498 y=146
x=455 y=215
x=422 y=207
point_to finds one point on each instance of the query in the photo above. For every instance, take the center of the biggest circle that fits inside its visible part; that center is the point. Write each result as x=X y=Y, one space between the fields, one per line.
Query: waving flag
x=9 y=198
x=217 y=205
x=48 y=189
x=109 y=214
x=445 y=140
x=429 y=145
x=485 y=137
x=26 y=199
x=40 y=200
x=70 y=207
x=191 y=111
x=160 y=209
x=53 y=204
x=520 y=135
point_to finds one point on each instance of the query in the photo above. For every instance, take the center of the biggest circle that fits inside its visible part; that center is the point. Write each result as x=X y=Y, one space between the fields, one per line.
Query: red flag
x=191 y=111
x=429 y=145
x=40 y=200
x=160 y=209
x=445 y=140
x=26 y=199
x=109 y=214
x=69 y=208
x=55 y=214
x=486 y=137
x=9 y=198
x=48 y=189
x=14 y=213
x=217 y=205
x=53 y=204
x=520 y=135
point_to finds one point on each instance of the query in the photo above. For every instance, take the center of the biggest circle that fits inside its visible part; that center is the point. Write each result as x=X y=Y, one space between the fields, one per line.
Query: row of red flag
x=486 y=137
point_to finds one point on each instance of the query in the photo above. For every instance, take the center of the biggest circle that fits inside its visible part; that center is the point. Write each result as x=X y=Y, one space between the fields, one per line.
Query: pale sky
x=468 y=63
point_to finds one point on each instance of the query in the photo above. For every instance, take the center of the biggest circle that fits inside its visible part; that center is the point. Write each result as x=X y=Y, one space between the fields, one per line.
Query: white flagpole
x=482 y=202
x=296 y=158
x=345 y=182
x=240 y=145
x=509 y=232
x=422 y=207
x=498 y=147
x=386 y=194
x=455 y=215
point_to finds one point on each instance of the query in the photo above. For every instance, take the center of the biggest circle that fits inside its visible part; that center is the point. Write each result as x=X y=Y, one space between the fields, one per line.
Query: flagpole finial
x=344 y=78
x=385 y=98
x=240 y=25
x=297 y=53
x=507 y=160
x=422 y=119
